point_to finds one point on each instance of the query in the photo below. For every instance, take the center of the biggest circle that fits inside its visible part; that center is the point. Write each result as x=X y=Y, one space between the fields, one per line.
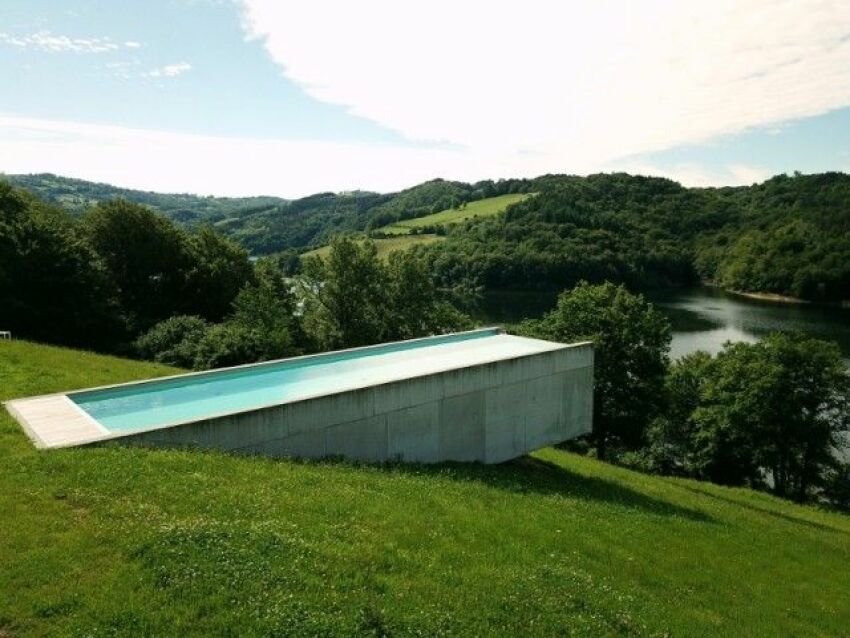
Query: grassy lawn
x=111 y=541
x=481 y=208
x=387 y=245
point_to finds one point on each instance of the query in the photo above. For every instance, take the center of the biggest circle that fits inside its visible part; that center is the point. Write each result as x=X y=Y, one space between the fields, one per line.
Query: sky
x=266 y=97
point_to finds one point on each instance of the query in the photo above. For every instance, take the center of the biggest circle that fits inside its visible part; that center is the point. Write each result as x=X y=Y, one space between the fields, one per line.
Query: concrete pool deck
x=482 y=395
x=54 y=420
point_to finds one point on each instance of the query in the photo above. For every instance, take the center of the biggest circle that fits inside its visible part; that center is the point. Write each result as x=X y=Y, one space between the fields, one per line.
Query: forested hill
x=312 y=221
x=789 y=235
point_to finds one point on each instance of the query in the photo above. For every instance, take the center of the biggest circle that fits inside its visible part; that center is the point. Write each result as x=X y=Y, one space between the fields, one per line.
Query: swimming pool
x=192 y=397
x=429 y=399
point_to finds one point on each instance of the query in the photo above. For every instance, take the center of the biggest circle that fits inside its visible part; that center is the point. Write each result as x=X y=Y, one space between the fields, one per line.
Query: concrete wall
x=489 y=413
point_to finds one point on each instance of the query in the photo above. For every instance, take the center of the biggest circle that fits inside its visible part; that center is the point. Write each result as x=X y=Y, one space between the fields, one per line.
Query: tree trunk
x=601 y=444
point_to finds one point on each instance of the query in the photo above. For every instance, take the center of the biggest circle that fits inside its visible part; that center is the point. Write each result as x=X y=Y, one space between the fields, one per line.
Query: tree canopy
x=630 y=343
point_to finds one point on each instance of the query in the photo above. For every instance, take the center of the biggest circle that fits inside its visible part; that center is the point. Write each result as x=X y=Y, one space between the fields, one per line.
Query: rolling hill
x=787 y=236
x=77 y=195
x=265 y=225
x=119 y=541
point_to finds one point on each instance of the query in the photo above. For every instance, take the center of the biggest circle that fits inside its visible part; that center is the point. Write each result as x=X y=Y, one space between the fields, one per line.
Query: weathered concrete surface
x=489 y=413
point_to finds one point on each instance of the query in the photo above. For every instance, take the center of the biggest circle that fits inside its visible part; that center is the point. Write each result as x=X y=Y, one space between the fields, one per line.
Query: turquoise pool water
x=195 y=397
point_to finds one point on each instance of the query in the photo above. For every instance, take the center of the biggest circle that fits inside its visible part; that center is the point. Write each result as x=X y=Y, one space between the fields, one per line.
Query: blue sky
x=259 y=96
x=232 y=88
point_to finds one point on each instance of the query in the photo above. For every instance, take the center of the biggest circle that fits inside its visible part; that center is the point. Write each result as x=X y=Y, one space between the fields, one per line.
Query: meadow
x=107 y=541
x=478 y=209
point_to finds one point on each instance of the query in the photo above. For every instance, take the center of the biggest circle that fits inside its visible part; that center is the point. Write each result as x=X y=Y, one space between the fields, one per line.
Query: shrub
x=173 y=341
x=228 y=344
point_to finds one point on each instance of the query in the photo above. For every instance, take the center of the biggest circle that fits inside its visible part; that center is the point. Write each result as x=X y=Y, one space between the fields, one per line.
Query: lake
x=702 y=318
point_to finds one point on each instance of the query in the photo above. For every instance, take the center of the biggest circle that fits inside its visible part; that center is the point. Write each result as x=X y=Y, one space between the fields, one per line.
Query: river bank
x=758 y=296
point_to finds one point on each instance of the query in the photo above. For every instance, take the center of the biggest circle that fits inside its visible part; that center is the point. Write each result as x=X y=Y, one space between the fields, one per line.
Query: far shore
x=769 y=296
x=776 y=298
x=760 y=296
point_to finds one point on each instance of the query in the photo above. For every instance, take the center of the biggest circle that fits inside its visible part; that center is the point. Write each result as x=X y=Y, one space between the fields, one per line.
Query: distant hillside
x=76 y=195
x=309 y=221
x=116 y=541
x=312 y=221
x=269 y=224
x=789 y=235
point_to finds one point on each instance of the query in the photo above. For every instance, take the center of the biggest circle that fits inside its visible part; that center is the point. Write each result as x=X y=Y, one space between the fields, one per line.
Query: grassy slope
x=387 y=245
x=112 y=541
x=481 y=208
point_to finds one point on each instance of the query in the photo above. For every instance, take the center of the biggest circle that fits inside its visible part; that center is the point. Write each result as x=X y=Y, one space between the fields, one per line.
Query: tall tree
x=346 y=294
x=769 y=414
x=145 y=256
x=53 y=287
x=630 y=343
x=353 y=298
x=219 y=269
x=267 y=306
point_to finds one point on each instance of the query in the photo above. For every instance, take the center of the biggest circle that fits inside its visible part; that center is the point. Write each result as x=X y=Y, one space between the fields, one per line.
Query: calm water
x=702 y=318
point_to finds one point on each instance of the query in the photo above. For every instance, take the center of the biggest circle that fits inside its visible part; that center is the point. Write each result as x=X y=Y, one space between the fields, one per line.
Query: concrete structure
x=486 y=396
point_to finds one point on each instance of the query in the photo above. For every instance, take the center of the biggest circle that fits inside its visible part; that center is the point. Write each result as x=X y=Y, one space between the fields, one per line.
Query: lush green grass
x=481 y=208
x=113 y=541
x=387 y=245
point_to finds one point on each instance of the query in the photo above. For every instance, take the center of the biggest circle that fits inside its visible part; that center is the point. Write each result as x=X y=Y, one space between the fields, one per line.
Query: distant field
x=482 y=208
x=116 y=541
x=386 y=246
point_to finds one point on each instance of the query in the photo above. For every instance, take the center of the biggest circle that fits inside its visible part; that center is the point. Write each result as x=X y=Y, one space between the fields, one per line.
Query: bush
x=173 y=341
x=228 y=344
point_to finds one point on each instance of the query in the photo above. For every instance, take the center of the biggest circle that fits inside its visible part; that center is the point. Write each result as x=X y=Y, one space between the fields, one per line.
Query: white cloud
x=697 y=175
x=574 y=84
x=170 y=70
x=132 y=44
x=174 y=162
x=745 y=175
x=52 y=43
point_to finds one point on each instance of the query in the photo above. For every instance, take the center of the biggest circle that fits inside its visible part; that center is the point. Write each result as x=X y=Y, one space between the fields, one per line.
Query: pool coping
x=99 y=433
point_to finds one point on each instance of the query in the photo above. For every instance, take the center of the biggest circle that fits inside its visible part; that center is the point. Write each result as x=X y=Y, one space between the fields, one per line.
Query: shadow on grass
x=529 y=475
x=763 y=510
